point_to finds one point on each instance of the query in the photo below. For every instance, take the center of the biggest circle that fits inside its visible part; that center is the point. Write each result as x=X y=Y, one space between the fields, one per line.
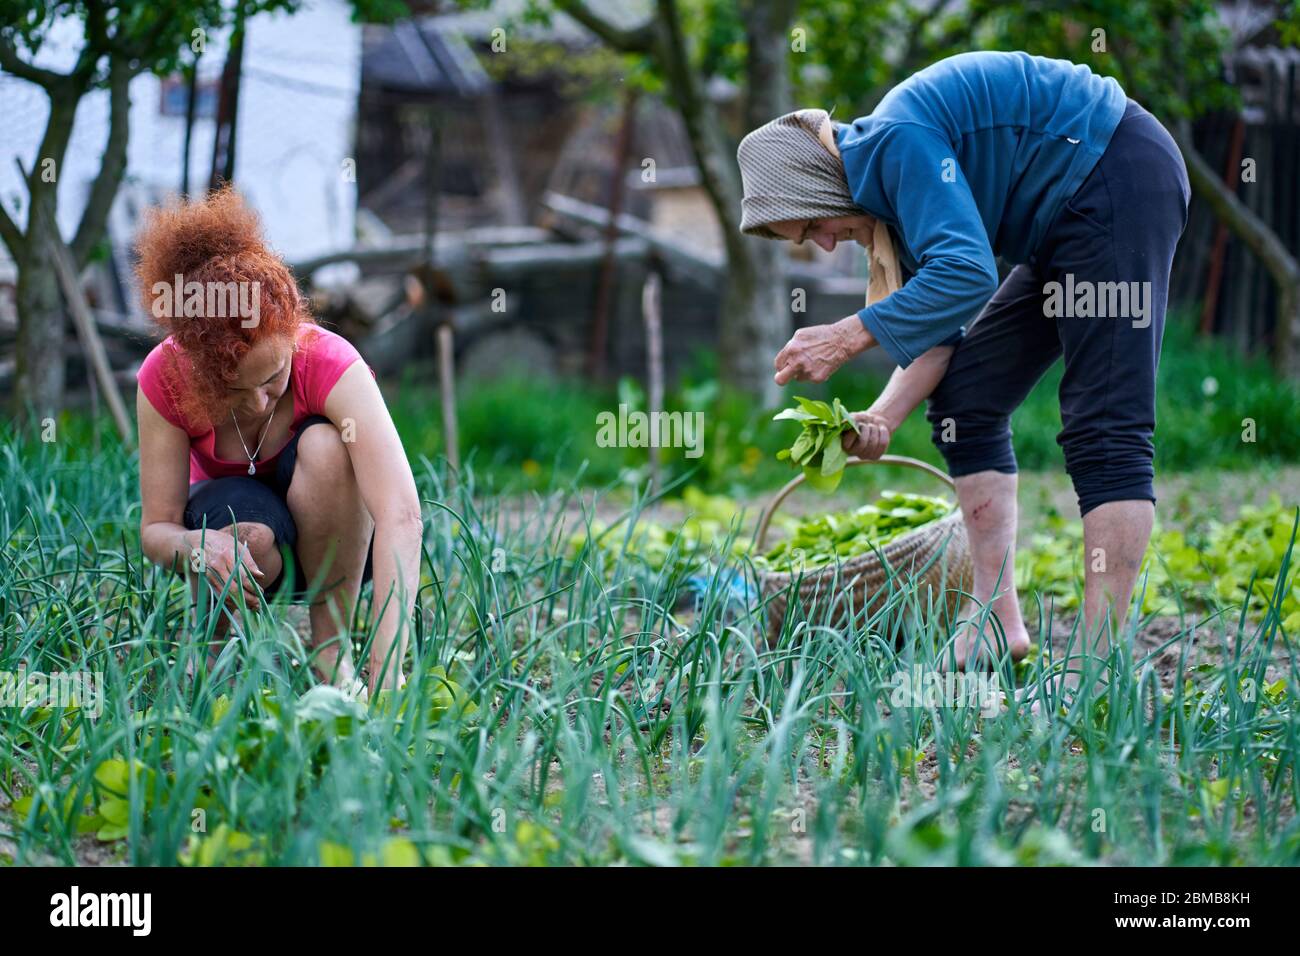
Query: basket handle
x=766 y=518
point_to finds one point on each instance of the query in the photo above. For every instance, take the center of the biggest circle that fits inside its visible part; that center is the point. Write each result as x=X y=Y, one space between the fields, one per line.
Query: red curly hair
x=214 y=240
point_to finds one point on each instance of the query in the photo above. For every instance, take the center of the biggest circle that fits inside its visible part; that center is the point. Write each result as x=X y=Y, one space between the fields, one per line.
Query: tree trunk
x=1264 y=243
x=755 y=320
x=39 y=375
x=39 y=372
x=227 y=125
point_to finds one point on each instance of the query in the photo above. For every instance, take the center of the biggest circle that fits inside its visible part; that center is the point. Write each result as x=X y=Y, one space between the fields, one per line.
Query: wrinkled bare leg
x=988 y=503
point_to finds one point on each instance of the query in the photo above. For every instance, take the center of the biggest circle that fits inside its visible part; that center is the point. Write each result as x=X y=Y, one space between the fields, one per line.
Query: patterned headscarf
x=789 y=174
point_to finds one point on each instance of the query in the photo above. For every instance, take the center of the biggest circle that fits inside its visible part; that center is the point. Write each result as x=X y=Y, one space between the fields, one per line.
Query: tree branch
x=11 y=62
x=94 y=35
x=1245 y=224
x=112 y=168
x=715 y=155
x=639 y=39
x=11 y=234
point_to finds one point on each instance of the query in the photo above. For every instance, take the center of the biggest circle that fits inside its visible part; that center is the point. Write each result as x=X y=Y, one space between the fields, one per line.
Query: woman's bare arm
x=164 y=491
x=164 y=487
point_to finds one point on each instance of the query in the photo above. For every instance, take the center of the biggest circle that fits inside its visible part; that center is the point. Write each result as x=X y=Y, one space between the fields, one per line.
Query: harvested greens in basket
x=820 y=540
x=817 y=449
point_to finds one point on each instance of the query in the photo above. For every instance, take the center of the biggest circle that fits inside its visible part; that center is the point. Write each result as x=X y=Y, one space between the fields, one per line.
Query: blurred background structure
x=512 y=172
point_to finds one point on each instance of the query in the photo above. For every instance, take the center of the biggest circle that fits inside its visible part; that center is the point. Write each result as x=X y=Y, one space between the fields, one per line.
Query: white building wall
x=296 y=129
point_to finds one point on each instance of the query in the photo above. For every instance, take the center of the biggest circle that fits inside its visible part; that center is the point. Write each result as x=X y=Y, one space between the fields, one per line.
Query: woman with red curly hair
x=264 y=439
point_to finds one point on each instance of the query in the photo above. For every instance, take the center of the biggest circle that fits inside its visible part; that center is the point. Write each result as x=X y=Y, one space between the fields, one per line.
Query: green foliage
x=150 y=36
x=851 y=53
x=672 y=549
x=595 y=74
x=525 y=434
x=1234 y=563
x=1140 y=39
x=857 y=51
x=222 y=847
x=818 y=449
x=1288 y=22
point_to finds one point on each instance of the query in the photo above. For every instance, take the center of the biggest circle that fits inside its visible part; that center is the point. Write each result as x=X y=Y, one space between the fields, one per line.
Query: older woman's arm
x=387 y=487
x=907 y=388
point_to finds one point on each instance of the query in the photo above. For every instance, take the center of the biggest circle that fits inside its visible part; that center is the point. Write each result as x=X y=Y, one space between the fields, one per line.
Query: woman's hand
x=871 y=440
x=815 y=352
x=213 y=553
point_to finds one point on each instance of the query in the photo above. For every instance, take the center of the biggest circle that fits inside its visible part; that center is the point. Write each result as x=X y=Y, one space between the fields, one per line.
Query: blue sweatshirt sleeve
x=910 y=170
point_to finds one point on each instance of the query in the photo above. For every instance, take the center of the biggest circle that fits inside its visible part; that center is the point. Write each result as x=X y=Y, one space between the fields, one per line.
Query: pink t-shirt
x=322 y=358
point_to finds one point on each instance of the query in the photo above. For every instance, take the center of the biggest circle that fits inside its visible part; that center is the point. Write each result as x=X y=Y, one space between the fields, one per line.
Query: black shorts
x=1118 y=231
x=262 y=498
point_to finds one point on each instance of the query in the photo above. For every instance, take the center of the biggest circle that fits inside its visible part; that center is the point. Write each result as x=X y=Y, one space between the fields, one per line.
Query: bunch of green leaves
x=817 y=449
x=820 y=540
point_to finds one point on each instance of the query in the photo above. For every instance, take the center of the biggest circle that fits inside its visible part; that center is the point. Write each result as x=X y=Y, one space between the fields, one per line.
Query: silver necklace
x=252 y=468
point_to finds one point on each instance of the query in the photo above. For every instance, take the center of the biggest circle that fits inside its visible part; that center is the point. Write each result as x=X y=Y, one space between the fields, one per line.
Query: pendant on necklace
x=252 y=469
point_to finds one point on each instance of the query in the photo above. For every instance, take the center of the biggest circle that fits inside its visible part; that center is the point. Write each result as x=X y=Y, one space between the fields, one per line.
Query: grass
x=569 y=704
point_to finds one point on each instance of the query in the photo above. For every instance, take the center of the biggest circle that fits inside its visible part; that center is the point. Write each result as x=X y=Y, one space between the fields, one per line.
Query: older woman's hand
x=817 y=351
x=871 y=440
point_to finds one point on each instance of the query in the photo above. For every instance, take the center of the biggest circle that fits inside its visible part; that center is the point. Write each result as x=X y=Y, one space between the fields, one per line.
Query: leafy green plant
x=818 y=450
x=223 y=847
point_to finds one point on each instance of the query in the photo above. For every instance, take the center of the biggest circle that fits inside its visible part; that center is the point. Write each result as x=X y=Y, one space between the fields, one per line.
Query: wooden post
x=227 y=125
x=510 y=198
x=1231 y=175
x=608 y=269
x=447 y=394
x=650 y=293
x=94 y=415
x=432 y=185
x=191 y=108
x=446 y=340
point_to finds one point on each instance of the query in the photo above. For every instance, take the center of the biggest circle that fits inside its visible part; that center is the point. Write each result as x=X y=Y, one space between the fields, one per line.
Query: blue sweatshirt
x=971 y=157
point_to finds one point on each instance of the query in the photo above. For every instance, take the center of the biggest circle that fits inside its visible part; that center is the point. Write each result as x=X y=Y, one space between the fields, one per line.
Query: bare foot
x=977 y=649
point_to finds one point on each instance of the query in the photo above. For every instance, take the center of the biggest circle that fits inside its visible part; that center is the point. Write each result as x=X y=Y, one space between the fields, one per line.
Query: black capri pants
x=1113 y=241
x=217 y=502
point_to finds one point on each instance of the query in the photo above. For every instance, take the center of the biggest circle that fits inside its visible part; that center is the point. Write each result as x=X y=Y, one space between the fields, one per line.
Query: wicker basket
x=936 y=556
